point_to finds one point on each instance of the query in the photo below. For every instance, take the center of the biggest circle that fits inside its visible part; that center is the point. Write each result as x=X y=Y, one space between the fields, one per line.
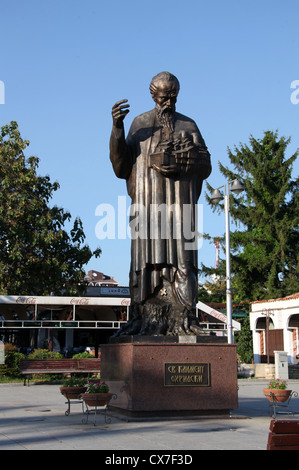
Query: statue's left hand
x=170 y=170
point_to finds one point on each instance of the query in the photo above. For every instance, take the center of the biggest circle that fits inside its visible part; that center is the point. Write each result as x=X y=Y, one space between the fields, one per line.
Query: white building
x=282 y=317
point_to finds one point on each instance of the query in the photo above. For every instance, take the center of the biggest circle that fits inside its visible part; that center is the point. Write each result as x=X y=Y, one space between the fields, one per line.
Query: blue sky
x=64 y=63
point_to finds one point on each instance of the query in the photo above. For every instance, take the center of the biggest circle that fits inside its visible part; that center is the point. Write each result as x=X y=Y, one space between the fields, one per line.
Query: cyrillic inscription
x=186 y=374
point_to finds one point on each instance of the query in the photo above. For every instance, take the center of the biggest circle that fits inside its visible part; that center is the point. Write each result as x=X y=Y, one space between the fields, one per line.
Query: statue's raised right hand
x=119 y=112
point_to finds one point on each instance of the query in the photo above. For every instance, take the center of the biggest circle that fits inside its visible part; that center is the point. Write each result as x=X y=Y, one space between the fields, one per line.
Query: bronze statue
x=164 y=160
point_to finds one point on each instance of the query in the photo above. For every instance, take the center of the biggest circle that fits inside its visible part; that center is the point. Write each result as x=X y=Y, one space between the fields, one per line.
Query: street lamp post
x=236 y=187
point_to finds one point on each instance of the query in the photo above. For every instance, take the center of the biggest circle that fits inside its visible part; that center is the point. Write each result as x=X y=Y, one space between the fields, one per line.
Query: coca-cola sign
x=26 y=300
x=78 y=301
x=218 y=315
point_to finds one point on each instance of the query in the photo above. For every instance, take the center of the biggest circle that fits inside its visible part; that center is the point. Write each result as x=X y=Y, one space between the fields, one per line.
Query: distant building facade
x=102 y=285
x=275 y=327
x=97 y=279
x=61 y=322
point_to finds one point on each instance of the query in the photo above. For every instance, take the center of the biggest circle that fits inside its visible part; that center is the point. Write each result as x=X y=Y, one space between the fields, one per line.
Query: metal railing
x=86 y=324
x=89 y=324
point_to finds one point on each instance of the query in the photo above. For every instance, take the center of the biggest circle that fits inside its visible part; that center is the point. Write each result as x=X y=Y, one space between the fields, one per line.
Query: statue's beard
x=165 y=116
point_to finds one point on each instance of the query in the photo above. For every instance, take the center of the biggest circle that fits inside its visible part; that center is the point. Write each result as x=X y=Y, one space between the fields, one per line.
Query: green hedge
x=44 y=354
x=12 y=360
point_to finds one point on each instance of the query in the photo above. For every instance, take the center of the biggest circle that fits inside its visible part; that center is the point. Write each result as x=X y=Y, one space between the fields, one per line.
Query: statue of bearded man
x=164 y=160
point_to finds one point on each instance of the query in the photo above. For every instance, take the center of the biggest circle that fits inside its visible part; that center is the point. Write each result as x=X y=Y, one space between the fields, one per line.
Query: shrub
x=83 y=355
x=12 y=360
x=44 y=354
x=243 y=340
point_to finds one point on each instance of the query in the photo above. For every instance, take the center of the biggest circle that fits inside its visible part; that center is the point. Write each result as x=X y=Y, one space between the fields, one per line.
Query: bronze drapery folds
x=164 y=161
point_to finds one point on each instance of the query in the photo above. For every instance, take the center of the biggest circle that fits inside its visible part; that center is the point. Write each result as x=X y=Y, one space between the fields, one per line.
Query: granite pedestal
x=152 y=378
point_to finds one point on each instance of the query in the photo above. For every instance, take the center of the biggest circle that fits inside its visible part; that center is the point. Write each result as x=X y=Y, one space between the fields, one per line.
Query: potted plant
x=97 y=394
x=277 y=391
x=73 y=387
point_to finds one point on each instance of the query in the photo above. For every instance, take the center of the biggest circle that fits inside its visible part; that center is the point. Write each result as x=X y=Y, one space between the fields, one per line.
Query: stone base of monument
x=157 y=378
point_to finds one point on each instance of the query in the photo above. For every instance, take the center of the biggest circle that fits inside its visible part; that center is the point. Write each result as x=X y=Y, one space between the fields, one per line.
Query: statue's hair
x=168 y=77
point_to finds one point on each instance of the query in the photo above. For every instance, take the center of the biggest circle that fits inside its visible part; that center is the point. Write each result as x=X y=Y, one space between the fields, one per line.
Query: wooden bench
x=58 y=366
x=283 y=435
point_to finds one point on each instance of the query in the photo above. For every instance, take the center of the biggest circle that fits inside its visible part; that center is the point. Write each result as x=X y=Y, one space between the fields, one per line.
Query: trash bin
x=281 y=365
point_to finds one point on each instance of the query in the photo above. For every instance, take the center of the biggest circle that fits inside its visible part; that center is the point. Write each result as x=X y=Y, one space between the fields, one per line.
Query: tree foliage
x=264 y=247
x=243 y=339
x=213 y=291
x=37 y=255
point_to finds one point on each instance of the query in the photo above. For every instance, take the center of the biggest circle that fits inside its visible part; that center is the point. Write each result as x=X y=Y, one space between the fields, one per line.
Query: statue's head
x=164 y=89
x=164 y=77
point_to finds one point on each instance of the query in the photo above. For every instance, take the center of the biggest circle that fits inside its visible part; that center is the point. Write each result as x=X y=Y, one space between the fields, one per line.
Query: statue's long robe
x=153 y=260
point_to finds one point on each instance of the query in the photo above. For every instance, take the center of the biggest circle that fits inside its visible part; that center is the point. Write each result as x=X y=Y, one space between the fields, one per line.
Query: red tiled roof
x=288 y=297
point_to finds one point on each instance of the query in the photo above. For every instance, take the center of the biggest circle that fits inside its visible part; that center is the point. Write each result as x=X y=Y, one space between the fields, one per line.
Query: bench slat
x=283 y=435
x=57 y=371
x=284 y=439
x=282 y=427
x=272 y=447
x=31 y=366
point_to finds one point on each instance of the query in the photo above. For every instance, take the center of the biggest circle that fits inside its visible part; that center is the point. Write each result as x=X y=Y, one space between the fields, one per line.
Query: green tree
x=37 y=255
x=243 y=340
x=264 y=247
x=214 y=291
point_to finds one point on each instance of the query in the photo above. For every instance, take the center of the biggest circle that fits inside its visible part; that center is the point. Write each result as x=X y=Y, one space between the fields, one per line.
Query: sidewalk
x=33 y=418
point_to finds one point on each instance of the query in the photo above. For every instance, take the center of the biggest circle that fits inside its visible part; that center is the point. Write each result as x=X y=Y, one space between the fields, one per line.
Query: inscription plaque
x=186 y=374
